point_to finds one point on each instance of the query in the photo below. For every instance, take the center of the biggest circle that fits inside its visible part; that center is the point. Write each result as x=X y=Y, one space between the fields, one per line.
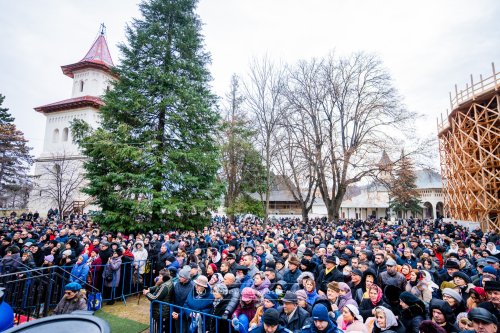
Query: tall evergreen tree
x=154 y=161
x=403 y=189
x=15 y=157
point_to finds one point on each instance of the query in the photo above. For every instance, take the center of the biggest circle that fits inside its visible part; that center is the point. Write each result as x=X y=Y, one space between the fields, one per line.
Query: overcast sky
x=427 y=46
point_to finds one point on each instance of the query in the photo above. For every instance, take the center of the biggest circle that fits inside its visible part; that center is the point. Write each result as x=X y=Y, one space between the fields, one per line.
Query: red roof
x=97 y=57
x=72 y=103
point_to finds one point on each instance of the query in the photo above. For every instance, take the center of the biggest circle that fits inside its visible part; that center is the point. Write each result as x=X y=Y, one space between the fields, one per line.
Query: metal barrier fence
x=32 y=293
x=130 y=282
x=188 y=320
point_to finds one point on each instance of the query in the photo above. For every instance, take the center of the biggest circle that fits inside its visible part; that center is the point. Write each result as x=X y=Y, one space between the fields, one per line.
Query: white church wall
x=57 y=123
x=90 y=82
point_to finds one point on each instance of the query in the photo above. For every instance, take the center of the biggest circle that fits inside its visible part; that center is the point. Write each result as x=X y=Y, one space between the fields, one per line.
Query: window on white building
x=55 y=136
x=65 y=134
x=81 y=86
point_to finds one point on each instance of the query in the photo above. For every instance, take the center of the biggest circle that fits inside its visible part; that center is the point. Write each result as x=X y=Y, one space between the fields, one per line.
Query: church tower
x=58 y=170
x=385 y=166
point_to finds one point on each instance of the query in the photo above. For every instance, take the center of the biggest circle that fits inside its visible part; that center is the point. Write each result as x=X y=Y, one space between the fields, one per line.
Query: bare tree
x=61 y=181
x=351 y=112
x=266 y=103
x=292 y=162
x=241 y=164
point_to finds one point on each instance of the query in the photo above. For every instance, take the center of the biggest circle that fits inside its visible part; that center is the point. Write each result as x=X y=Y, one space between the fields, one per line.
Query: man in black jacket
x=328 y=274
x=292 y=316
x=233 y=294
x=379 y=265
x=181 y=293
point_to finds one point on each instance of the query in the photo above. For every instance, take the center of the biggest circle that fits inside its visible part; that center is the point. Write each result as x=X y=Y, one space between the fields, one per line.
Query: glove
x=236 y=324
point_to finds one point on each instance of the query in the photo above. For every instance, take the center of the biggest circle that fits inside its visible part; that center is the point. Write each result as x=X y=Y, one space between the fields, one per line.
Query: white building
x=91 y=79
x=365 y=201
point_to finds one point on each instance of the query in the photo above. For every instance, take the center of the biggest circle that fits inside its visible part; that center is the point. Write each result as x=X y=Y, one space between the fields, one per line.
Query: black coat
x=324 y=279
x=223 y=324
x=366 y=307
x=299 y=319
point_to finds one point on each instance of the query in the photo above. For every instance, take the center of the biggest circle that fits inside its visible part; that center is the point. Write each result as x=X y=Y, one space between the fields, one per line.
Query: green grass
x=121 y=325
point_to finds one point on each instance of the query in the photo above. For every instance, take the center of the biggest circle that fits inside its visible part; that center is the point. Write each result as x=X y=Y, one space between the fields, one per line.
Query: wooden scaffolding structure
x=469 y=147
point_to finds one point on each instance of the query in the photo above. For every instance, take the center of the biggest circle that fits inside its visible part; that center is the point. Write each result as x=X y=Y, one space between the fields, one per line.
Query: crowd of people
x=285 y=275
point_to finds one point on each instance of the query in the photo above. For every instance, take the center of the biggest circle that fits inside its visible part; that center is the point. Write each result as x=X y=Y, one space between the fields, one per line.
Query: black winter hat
x=271 y=317
x=463 y=276
x=492 y=285
x=271 y=264
x=444 y=307
x=451 y=264
x=482 y=315
x=308 y=253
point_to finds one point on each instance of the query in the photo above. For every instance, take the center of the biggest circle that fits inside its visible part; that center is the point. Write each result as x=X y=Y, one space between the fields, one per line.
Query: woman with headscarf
x=140 y=256
x=464 y=283
x=442 y=314
x=80 y=271
x=492 y=248
x=369 y=278
x=385 y=321
x=477 y=295
x=453 y=249
x=350 y=320
x=345 y=296
x=454 y=300
x=406 y=271
x=367 y=306
x=412 y=311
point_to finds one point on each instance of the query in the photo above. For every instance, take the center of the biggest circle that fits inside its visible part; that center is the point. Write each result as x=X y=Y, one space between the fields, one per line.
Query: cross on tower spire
x=102 y=29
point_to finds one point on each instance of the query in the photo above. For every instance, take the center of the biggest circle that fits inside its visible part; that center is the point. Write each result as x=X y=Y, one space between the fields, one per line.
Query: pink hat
x=301 y=294
x=247 y=294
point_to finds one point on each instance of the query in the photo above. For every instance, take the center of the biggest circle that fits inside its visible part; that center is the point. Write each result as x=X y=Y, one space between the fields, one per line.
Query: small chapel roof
x=97 y=57
x=72 y=103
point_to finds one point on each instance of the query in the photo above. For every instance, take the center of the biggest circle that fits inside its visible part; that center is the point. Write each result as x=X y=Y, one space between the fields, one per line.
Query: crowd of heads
x=351 y=275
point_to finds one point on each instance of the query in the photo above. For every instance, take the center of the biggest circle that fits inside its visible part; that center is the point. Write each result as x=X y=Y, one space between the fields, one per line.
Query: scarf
x=379 y=296
x=390 y=319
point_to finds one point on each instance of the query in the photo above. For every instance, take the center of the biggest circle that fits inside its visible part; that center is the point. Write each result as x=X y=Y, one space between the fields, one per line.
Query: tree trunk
x=305 y=214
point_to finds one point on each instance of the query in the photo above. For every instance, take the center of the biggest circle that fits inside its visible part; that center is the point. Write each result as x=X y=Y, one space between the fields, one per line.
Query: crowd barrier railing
x=188 y=320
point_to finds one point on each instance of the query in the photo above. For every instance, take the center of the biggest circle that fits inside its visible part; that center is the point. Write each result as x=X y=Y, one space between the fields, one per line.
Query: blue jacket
x=246 y=282
x=181 y=292
x=201 y=303
x=80 y=271
x=291 y=277
x=331 y=328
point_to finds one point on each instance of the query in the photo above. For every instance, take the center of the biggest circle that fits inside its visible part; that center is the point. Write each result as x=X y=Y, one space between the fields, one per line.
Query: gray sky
x=427 y=46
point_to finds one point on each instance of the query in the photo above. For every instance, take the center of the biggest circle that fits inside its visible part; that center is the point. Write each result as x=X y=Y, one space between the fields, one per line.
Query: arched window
x=65 y=134
x=55 y=136
x=81 y=85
